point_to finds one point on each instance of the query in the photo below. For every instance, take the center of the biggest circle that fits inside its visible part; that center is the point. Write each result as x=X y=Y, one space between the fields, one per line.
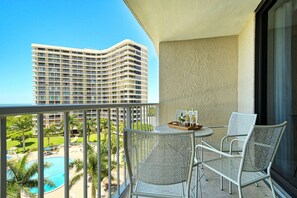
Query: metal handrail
x=37 y=109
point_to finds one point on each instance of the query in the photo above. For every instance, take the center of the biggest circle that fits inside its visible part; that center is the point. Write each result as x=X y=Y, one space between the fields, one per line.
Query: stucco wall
x=199 y=74
x=246 y=67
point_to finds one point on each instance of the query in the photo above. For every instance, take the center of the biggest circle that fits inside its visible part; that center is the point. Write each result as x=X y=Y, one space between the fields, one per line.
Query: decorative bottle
x=187 y=120
x=193 y=119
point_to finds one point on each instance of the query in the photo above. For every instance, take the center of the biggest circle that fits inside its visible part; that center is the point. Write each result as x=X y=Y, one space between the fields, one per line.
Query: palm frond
x=31 y=183
x=24 y=161
x=28 y=193
x=75 y=179
x=49 y=182
x=13 y=190
x=47 y=164
x=14 y=170
x=31 y=170
x=78 y=164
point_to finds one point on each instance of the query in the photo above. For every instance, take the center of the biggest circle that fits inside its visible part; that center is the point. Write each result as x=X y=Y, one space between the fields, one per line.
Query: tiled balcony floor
x=211 y=188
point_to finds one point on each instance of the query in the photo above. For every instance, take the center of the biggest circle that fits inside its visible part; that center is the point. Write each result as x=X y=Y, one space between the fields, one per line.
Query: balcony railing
x=129 y=114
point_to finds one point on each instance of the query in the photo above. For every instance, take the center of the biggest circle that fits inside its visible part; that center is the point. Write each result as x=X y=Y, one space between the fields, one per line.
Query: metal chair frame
x=141 y=151
x=247 y=169
x=232 y=135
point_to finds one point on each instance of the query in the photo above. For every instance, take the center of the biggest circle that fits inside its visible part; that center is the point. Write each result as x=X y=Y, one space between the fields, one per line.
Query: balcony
x=115 y=114
x=211 y=188
x=126 y=115
x=208 y=62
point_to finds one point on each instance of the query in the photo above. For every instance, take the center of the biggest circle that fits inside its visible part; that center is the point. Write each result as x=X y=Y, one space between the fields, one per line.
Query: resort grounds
x=75 y=152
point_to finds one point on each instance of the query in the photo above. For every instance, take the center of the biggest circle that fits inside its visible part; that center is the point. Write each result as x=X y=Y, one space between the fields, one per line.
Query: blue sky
x=92 y=24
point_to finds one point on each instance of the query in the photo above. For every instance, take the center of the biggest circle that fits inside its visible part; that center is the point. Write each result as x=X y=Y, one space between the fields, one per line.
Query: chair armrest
x=227 y=136
x=205 y=143
x=236 y=135
x=215 y=127
x=231 y=144
x=215 y=151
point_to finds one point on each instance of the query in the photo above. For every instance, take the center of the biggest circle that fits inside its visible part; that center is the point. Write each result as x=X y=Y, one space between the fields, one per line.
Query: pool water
x=55 y=173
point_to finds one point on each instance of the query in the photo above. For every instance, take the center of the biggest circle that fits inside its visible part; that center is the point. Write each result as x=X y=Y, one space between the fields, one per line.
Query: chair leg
x=239 y=191
x=230 y=187
x=131 y=190
x=221 y=182
x=188 y=191
x=201 y=142
x=197 y=180
x=272 y=188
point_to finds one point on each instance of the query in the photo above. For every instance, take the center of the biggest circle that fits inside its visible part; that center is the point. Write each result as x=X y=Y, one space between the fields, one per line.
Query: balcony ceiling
x=172 y=20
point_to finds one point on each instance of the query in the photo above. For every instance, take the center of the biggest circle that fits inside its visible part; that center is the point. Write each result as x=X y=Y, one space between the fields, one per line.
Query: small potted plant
x=182 y=118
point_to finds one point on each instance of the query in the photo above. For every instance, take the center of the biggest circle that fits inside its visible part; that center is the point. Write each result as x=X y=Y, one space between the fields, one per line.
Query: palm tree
x=91 y=127
x=73 y=122
x=24 y=124
x=103 y=124
x=20 y=177
x=92 y=167
x=49 y=130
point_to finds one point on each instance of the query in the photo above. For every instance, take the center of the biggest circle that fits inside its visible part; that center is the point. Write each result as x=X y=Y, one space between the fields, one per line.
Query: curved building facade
x=63 y=75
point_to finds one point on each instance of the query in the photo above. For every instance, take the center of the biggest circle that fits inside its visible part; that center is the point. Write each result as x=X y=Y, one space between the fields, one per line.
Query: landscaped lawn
x=93 y=138
x=32 y=144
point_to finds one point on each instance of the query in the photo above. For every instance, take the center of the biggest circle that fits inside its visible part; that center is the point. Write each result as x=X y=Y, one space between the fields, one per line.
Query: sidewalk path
x=74 y=139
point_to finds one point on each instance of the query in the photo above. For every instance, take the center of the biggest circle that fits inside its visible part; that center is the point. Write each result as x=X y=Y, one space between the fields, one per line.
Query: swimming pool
x=55 y=173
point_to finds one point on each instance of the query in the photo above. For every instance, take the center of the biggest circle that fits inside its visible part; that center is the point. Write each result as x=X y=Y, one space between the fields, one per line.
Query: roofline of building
x=126 y=41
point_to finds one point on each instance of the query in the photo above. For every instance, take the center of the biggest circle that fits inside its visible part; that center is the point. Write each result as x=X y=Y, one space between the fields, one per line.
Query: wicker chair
x=257 y=156
x=159 y=164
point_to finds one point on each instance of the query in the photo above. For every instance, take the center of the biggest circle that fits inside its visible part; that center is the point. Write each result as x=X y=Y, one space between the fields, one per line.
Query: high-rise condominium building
x=63 y=75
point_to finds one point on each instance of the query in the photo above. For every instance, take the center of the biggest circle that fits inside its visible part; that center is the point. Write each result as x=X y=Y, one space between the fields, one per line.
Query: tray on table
x=178 y=125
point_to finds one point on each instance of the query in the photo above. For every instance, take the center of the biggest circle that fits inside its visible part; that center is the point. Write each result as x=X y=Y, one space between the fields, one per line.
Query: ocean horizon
x=16 y=104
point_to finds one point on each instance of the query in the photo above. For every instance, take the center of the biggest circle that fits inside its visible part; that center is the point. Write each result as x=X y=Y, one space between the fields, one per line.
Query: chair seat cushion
x=229 y=168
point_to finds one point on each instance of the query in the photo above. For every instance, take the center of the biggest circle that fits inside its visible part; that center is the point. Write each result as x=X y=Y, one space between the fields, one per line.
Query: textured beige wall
x=199 y=74
x=246 y=67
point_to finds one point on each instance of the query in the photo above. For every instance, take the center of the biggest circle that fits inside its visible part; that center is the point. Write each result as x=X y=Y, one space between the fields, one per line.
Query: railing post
x=157 y=115
x=147 y=117
x=99 y=152
x=128 y=117
x=3 y=162
x=40 y=136
x=124 y=117
x=118 y=149
x=132 y=117
x=109 y=154
x=137 y=118
x=141 y=116
x=66 y=154
x=125 y=165
x=85 y=157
